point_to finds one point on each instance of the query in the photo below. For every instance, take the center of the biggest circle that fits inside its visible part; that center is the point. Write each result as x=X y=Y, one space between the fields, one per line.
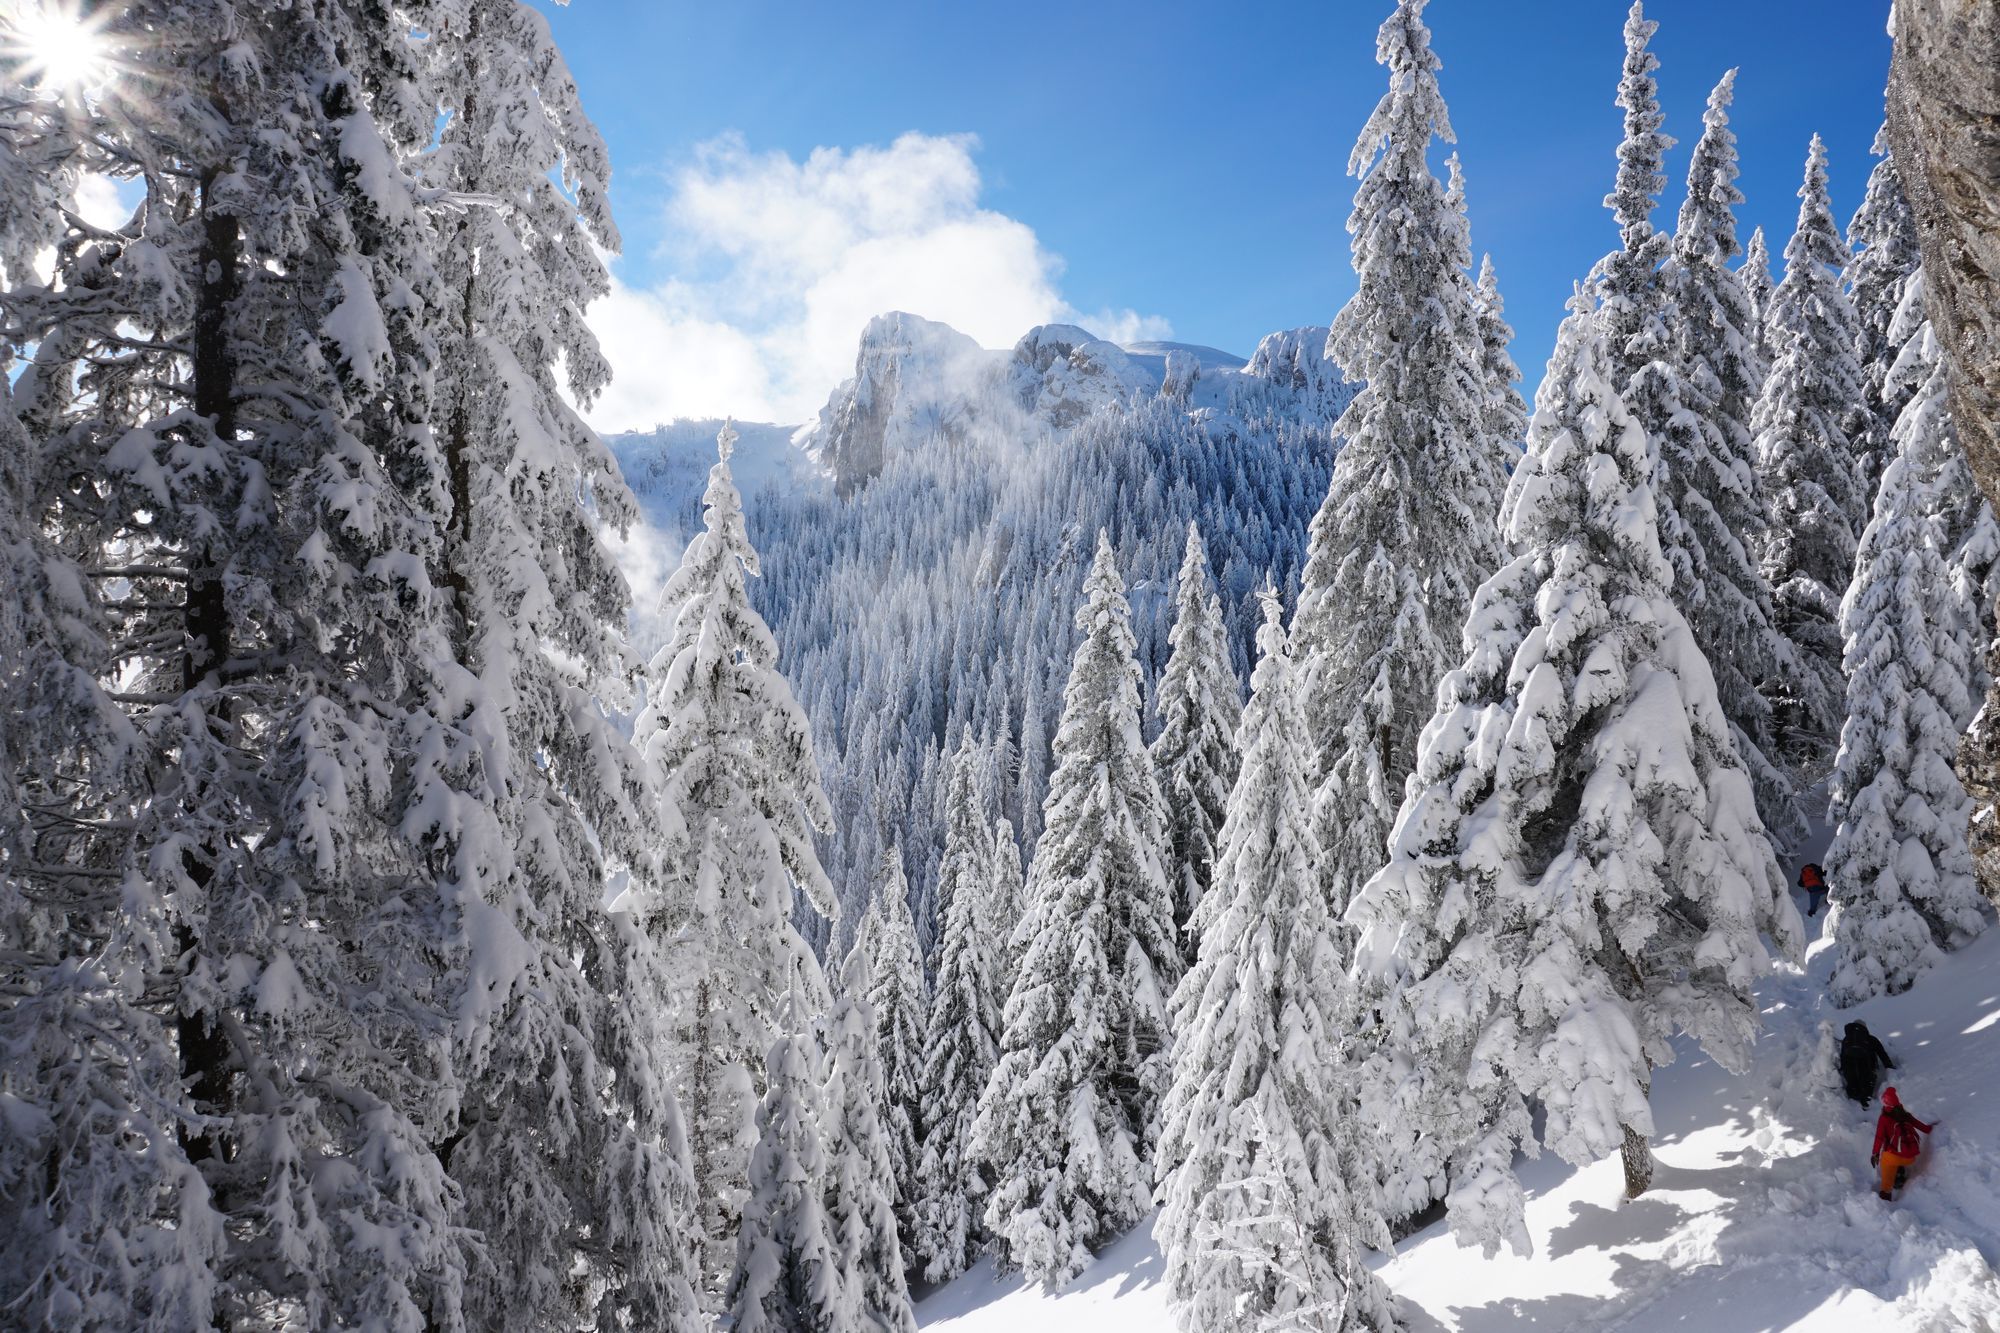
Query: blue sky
x=1136 y=166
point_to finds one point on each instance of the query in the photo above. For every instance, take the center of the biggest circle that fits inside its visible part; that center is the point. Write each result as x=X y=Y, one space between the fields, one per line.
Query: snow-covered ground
x=1763 y=1214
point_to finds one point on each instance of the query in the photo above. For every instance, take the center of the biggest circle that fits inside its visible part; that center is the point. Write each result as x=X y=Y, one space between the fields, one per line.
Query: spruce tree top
x=1642 y=154
x=1707 y=227
x=1627 y=278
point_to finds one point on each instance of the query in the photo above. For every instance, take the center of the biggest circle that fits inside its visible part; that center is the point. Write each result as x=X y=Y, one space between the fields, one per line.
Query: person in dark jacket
x=1898 y=1142
x=1862 y=1060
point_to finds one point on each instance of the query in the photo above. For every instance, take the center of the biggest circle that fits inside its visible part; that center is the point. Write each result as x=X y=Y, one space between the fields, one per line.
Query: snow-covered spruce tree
x=1506 y=415
x=1406 y=532
x=1883 y=238
x=1696 y=401
x=237 y=390
x=91 y=1167
x=1580 y=875
x=1198 y=705
x=564 y=1005
x=787 y=1276
x=861 y=1181
x=1065 y=1126
x=1006 y=903
x=1631 y=293
x=1255 y=1157
x=1805 y=459
x=1034 y=769
x=1900 y=864
x=739 y=799
x=888 y=942
x=964 y=1037
x=1755 y=271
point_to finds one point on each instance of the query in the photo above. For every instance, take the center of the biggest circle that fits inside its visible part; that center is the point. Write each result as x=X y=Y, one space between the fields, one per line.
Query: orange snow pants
x=1890 y=1161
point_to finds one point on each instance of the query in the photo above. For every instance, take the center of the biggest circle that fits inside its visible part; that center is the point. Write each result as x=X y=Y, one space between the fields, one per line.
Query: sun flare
x=55 y=44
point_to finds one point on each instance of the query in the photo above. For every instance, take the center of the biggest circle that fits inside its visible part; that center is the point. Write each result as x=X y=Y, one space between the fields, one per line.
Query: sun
x=55 y=44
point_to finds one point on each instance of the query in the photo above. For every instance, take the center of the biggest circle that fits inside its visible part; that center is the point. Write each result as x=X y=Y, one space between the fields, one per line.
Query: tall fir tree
x=1805 y=459
x=964 y=1037
x=1034 y=768
x=1632 y=295
x=1696 y=402
x=1900 y=865
x=861 y=1181
x=104 y=1223
x=1506 y=416
x=1580 y=875
x=1807 y=465
x=1199 y=704
x=536 y=605
x=1406 y=532
x=1065 y=1126
x=787 y=1276
x=1260 y=1221
x=887 y=941
x=1882 y=237
x=738 y=801
x=230 y=404
x=1758 y=288
x=345 y=735
x=1007 y=902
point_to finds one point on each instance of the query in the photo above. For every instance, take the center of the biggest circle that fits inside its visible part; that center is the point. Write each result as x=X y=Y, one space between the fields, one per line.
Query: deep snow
x=1763 y=1214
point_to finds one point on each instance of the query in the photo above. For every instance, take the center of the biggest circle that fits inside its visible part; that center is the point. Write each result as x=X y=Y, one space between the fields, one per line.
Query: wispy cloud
x=777 y=264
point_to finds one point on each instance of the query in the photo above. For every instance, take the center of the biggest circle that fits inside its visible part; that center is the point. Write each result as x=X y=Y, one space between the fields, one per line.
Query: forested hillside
x=933 y=600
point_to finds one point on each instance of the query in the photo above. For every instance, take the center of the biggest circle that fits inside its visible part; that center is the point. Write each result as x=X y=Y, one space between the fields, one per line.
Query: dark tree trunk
x=204 y=1051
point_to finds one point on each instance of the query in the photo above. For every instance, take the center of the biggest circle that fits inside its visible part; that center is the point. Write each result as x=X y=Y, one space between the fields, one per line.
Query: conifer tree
x=1900 y=865
x=788 y=1277
x=1630 y=290
x=1006 y=902
x=229 y=404
x=1696 y=401
x=1406 y=532
x=1883 y=238
x=1065 y=1126
x=964 y=1036
x=1199 y=703
x=1805 y=459
x=1259 y=1223
x=1034 y=767
x=1506 y=415
x=1758 y=288
x=121 y=1234
x=1580 y=875
x=861 y=1180
x=738 y=801
x=887 y=945
x=536 y=603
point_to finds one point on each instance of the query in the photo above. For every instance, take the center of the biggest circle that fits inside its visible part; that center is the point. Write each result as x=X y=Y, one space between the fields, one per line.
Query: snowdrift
x=1763 y=1215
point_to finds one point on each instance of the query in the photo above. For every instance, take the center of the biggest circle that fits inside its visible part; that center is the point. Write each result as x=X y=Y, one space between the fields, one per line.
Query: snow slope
x=1763 y=1215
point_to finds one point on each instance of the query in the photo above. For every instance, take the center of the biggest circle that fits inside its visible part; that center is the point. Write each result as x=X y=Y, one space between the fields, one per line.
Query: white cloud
x=778 y=264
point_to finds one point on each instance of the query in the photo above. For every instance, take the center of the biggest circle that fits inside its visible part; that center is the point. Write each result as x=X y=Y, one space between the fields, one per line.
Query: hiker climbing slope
x=1862 y=1060
x=1813 y=880
x=1898 y=1141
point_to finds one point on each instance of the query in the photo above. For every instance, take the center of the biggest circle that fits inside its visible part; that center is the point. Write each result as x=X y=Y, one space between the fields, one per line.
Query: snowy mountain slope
x=1763 y=1217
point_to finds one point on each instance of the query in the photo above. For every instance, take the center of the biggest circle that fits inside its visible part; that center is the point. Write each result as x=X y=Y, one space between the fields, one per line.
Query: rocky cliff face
x=1944 y=127
x=920 y=387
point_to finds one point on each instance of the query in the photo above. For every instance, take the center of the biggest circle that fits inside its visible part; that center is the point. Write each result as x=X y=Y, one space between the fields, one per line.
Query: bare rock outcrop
x=1944 y=127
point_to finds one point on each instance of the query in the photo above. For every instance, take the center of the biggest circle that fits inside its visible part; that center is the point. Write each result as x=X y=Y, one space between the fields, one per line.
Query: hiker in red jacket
x=1897 y=1141
x=1813 y=880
